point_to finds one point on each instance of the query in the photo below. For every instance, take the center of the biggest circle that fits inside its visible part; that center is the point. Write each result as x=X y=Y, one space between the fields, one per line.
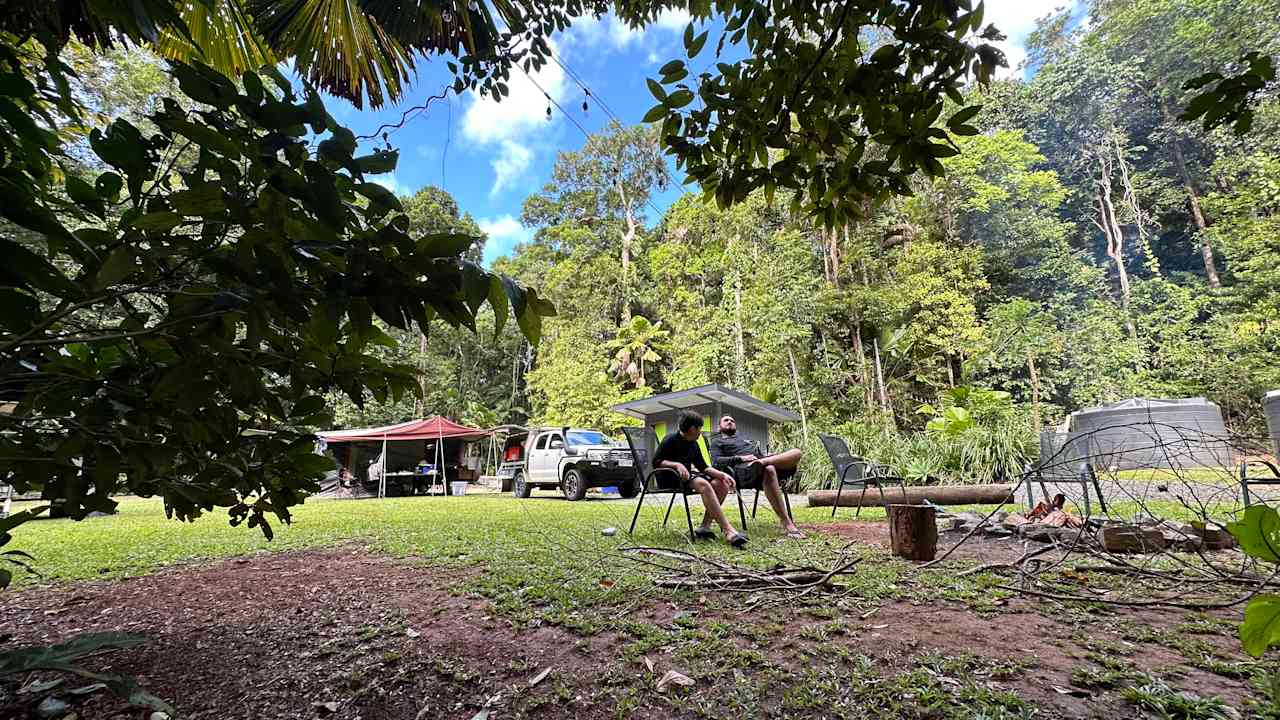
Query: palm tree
x=354 y=49
x=636 y=345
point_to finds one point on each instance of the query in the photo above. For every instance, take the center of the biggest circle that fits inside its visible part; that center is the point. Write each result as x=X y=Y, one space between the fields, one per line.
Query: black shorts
x=751 y=474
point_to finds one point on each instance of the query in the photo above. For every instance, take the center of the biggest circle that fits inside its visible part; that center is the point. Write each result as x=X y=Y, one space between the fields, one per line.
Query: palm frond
x=221 y=34
x=437 y=26
x=336 y=46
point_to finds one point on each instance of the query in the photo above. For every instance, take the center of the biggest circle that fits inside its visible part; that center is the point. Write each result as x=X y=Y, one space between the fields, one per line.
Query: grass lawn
x=896 y=641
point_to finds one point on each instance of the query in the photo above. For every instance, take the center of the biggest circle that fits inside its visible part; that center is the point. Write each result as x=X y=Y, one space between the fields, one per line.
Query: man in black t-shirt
x=739 y=455
x=680 y=452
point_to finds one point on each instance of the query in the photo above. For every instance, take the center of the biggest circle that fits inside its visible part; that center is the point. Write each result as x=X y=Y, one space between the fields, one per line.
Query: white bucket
x=458 y=488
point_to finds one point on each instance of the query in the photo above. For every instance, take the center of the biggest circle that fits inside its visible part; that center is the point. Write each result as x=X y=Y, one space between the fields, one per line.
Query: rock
x=1013 y=521
x=327 y=708
x=1130 y=538
x=1214 y=537
x=1036 y=531
x=949 y=523
x=52 y=707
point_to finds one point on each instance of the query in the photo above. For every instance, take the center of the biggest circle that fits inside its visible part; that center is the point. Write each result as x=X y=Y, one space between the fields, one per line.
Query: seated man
x=679 y=451
x=729 y=450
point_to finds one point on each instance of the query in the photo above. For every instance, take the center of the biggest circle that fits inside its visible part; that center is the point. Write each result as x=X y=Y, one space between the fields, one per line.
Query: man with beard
x=742 y=457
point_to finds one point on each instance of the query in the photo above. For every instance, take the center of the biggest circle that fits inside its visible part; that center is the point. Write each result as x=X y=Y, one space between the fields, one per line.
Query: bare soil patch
x=346 y=633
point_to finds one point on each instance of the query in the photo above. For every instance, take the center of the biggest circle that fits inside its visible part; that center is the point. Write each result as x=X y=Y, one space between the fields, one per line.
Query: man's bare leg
x=711 y=505
x=773 y=491
x=783 y=460
x=722 y=491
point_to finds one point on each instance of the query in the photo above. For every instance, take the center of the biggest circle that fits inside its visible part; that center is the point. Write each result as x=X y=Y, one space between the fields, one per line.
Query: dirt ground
x=345 y=633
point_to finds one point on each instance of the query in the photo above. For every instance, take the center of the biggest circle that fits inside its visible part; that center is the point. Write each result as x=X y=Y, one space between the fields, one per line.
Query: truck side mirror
x=557 y=444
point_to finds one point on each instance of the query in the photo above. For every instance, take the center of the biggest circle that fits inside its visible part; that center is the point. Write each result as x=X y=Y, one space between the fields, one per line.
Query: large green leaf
x=24 y=269
x=1258 y=533
x=1261 y=627
x=445 y=244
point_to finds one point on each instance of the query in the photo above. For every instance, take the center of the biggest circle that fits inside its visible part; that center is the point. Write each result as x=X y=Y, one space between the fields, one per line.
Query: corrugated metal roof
x=701 y=395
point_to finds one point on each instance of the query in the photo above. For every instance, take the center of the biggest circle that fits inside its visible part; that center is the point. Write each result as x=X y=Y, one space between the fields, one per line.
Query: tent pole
x=382 y=480
x=444 y=479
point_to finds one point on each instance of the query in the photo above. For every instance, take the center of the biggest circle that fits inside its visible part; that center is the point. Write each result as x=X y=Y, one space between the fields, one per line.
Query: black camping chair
x=855 y=472
x=664 y=480
x=1246 y=479
x=747 y=477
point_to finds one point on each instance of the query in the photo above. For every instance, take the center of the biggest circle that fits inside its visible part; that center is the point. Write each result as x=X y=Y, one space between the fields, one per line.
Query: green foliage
x=1258 y=533
x=1231 y=98
x=64 y=656
x=217 y=276
x=837 y=115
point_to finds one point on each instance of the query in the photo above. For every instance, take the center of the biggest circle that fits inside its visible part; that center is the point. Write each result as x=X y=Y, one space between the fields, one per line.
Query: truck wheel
x=629 y=489
x=575 y=484
x=519 y=488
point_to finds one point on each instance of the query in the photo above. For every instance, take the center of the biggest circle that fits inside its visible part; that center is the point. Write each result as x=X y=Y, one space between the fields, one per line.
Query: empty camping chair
x=747 y=479
x=1260 y=479
x=855 y=472
x=656 y=480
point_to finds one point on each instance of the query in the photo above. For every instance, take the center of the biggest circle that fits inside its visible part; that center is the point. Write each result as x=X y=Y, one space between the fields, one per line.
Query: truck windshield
x=588 y=437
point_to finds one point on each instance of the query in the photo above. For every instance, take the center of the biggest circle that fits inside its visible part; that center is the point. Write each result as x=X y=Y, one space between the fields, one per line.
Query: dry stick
x=1130 y=603
x=1010 y=565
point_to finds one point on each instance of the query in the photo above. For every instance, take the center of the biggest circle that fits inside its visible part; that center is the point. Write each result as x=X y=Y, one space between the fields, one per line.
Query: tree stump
x=913 y=531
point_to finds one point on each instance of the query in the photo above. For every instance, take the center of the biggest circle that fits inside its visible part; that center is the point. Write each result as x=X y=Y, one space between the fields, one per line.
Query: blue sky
x=490 y=155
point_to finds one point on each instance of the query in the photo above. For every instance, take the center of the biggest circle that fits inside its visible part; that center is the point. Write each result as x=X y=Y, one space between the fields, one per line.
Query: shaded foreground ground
x=351 y=632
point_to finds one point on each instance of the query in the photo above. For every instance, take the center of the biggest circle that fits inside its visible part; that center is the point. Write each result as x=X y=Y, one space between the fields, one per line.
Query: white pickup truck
x=569 y=460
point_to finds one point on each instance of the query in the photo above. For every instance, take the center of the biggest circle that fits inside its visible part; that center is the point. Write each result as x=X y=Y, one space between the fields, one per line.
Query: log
x=913 y=531
x=917 y=494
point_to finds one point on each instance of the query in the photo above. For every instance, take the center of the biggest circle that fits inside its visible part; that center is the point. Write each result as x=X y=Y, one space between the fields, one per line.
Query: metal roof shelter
x=702 y=396
x=662 y=412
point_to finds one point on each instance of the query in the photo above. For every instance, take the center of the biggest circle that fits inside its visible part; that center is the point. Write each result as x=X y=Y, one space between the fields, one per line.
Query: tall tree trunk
x=1193 y=198
x=1035 y=389
x=884 y=391
x=868 y=393
x=628 y=238
x=740 y=347
x=420 y=405
x=1115 y=239
x=795 y=384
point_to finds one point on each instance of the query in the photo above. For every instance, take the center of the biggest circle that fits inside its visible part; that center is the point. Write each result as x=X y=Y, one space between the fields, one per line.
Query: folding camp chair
x=855 y=472
x=663 y=480
x=1246 y=479
x=749 y=477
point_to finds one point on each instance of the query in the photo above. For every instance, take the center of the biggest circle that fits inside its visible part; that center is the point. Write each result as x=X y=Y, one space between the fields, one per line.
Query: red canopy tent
x=434 y=428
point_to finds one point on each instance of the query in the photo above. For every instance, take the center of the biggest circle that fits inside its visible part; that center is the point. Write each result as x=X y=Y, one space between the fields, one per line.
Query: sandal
x=738 y=540
x=704 y=534
x=795 y=535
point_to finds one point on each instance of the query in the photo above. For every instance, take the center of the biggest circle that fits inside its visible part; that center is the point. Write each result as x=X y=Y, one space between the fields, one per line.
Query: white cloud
x=1016 y=19
x=390 y=182
x=509 y=165
x=504 y=232
x=673 y=19
x=488 y=121
x=511 y=126
x=609 y=30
